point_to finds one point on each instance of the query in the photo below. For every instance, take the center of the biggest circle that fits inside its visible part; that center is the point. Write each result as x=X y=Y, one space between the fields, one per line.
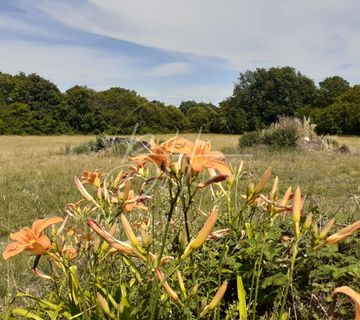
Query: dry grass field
x=36 y=181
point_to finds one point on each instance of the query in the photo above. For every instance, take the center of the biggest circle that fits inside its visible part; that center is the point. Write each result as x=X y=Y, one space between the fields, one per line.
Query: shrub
x=288 y=133
x=280 y=136
x=250 y=139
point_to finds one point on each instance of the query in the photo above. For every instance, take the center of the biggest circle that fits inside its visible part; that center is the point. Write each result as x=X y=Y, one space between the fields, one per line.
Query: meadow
x=37 y=172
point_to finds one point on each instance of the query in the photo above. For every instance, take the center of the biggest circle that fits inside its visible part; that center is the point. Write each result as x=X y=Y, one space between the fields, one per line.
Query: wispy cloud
x=172 y=69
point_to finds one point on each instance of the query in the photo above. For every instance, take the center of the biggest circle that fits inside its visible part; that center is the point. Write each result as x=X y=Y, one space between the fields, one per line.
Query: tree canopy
x=30 y=104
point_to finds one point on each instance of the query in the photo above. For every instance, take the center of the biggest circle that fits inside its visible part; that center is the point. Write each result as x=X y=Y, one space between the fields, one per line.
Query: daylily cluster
x=198 y=155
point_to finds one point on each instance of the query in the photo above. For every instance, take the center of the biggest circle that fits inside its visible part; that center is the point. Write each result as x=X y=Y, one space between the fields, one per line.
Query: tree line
x=30 y=104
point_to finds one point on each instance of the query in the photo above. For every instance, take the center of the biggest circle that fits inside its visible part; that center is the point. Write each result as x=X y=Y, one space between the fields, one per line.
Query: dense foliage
x=30 y=104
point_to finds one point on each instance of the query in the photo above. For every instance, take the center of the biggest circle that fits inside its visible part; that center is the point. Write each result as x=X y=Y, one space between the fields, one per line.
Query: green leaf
x=25 y=313
x=241 y=298
x=74 y=283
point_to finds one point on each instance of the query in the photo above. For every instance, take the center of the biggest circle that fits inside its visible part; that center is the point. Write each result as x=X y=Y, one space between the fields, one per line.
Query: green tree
x=37 y=92
x=185 y=106
x=266 y=94
x=341 y=117
x=329 y=89
x=78 y=108
x=120 y=109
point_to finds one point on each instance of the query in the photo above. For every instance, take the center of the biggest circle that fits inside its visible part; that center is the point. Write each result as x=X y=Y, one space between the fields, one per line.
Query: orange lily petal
x=178 y=145
x=40 y=246
x=39 y=225
x=13 y=249
x=219 y=166
x=22 y=236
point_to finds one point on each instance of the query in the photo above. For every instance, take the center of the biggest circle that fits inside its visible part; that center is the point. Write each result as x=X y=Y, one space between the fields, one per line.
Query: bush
x=288 y=133
x=283 y=134
x=114 y=146
x=250 y=139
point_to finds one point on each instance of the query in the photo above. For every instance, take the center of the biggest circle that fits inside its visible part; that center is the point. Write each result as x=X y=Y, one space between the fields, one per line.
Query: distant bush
x=114 y=146
x=287 y=133
x=283 y=134
x=250 y=139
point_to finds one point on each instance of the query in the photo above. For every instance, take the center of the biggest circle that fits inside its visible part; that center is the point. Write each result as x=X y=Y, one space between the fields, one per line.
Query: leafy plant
x=178 y=234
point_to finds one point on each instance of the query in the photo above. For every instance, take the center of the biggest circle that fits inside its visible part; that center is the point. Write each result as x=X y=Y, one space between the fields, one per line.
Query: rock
x=343 y=149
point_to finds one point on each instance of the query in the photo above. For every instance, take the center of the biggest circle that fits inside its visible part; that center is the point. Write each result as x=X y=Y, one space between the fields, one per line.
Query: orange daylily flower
x=158 y=155
x=353 y=295
x=199 y=154
x=31 y=239
x=92 y=178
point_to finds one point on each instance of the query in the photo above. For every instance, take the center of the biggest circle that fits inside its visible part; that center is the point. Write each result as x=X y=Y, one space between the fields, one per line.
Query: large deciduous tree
x=329 y=89
x=265 y=94
x=341 y=117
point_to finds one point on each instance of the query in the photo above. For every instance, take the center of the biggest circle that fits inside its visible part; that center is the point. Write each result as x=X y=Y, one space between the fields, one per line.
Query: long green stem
x=170 y=214
x=154 y=290
x=258 y=274
x=290 y=275
x=186 y=207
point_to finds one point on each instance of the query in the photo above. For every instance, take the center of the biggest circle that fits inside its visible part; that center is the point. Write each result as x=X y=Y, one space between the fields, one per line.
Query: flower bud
x=102 y=303
x=263 y=181
x=202 y=235
x=343 y=233
x=297 y=211
x=216 y=300
x=326 y=229
x=129 y=232
x=308 y=221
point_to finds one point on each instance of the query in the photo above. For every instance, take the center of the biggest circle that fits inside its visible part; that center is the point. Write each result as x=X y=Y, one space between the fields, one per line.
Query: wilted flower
x=218 y=234
x=214 y=179
x=31 y=239
x=69 y=252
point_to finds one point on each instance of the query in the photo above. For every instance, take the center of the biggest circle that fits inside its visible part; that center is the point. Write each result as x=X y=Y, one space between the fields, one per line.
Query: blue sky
x=177 y=50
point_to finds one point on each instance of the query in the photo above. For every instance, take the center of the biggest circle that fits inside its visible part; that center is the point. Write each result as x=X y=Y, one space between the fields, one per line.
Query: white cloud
x=171 y=69
x=306 y=34
x=70 y=65
x=67 y=65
